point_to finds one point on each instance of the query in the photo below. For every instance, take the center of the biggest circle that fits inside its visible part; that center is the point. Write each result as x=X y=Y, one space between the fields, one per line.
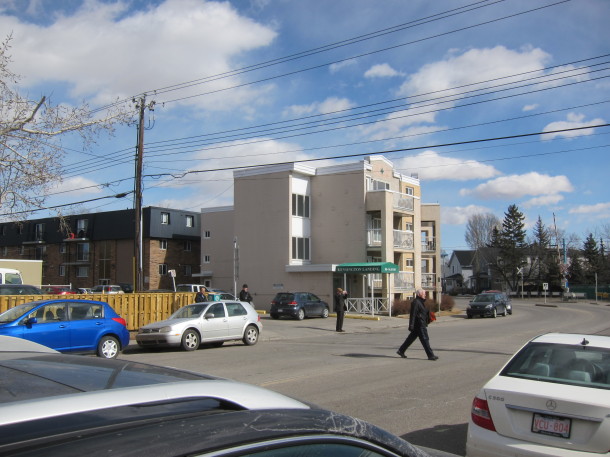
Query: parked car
x=205 y=322
x=298 y=305
x=126 y=287
x=68 y=326
x=506 y=298
x=107 y=289
x=84 y=290
x=487 y=304
x=58 y=290
x=551 y=399
x=19 y=289
x=63 y=405
x=191 y=288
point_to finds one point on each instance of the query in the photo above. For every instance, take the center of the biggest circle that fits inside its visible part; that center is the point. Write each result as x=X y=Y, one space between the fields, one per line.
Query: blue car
x=68 y=326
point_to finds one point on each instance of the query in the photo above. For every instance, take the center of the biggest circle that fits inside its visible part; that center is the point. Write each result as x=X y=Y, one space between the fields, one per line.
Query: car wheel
x=494 y=313
x=250 y=335
x=108 y=347
x=469 y=316
x=301 y=314
x=325 y=313
x=190 y=340
x=275 y=316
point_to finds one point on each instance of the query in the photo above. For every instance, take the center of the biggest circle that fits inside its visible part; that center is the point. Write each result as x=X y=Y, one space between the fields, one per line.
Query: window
x=188 y=246
x=82 y=311
x=22 y=250
x=39 y=236
x=206 y=259
x=236 y=309
x=3 y=230
x=82 y=272
x=165 y=218
x=82 y=252
x=62 y=270
x=81 y=228
x=162 y=268
x=300 y=248
x=187 y=270
x=378 y=185
x=163 y=245
x=39 y=253
x=300 y=205
x=409 y=190
x=207 y=234
x=190 y=221
x=4 y=251
x=62 y=248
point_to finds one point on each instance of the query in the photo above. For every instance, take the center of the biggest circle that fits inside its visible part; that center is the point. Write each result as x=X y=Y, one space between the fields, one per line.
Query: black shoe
x=402 y=354
x=434 y=357
x=341 y=331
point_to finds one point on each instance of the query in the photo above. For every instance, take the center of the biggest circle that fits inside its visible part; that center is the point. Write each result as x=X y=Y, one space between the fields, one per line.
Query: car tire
x=250 y=335
x=494 y=313
x=190 y=340
x=325 y=313
x=301 y=314
x=469 y=316
x=275 y=316
x=108 y=347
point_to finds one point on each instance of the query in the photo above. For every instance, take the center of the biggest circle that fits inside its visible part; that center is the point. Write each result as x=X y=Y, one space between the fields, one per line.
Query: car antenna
x=584 y=343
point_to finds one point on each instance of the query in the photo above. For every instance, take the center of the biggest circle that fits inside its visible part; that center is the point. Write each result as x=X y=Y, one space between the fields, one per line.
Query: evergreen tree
x=592 y=259
x=541 y=256
x=510 y=241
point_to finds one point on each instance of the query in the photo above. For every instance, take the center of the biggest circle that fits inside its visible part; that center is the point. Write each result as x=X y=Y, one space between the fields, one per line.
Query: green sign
x=367 y=267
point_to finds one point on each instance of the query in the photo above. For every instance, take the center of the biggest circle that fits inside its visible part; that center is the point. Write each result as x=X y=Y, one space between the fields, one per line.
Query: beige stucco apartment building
x=292 y=225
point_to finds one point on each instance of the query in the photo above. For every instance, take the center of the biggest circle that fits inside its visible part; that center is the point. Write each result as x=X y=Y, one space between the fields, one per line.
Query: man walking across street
x=418 y=327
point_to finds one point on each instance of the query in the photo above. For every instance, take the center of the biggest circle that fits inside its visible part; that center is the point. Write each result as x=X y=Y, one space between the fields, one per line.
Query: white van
x=191 y=288
x=10 y=276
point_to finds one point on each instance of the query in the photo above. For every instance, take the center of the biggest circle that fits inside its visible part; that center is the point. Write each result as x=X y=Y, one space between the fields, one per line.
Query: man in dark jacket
x=418 y=327
x=244 y=294
x=340 y=296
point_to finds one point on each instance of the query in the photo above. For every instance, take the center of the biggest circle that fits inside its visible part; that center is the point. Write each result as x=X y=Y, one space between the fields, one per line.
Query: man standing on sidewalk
x=418 y=327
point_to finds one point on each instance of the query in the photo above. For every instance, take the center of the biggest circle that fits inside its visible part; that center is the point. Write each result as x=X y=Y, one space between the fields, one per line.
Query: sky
x=460 y=93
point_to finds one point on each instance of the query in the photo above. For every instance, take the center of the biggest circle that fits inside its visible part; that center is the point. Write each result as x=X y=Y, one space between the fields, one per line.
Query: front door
x=216 y=325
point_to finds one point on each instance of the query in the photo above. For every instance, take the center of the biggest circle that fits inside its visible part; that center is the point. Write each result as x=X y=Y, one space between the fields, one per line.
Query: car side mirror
x=209 y=316
x=31 y=320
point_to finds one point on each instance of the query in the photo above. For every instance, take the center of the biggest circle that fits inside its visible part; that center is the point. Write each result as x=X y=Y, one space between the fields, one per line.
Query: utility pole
x=138 y=282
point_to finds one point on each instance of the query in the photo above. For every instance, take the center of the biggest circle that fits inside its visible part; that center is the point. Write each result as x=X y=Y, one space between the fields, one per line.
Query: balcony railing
x=403 y=202
x=374 y=237
x=428 y=245
x=404 y=280
x=428 y=280
x=403 y=239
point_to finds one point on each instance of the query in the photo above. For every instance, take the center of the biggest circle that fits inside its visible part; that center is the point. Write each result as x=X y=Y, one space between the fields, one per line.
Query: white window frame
x=188 y=246
x=165 y=219
x=82 y=272
x=163 y=269
x=62 y=270
x=190 y=221
x=301 y=205
x=207 y=234
x=301 y=248
x=163 y=245
x=206 y=259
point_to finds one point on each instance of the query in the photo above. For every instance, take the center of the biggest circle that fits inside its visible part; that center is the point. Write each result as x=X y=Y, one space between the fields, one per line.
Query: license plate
x=551 y=425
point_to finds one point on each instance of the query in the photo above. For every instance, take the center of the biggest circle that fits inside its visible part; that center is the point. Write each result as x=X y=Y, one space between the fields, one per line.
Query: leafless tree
x=31 y=133
x=479 y=229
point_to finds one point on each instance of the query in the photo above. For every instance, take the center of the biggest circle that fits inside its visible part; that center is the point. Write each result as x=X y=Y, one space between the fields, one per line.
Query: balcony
x=404 y=281
x=428 y=280
x=428 y=245
x=402 y=203
x=403 y=240
x=374 y=237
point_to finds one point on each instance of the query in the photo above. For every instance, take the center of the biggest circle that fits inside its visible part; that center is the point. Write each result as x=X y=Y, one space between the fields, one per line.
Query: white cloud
x=599 y=209
x=383 y=70
x=335 y=67
x=530 y=107
x=76 y=186
x=431 y=166
x=330 y=105
x=517 y=186
x=103 y=51
x=458 y=215
x=544 y=200
x=573 y=121
x=471 y=67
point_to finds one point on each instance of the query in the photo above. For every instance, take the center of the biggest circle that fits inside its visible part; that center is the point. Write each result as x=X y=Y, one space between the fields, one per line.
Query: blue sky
x=242 y=83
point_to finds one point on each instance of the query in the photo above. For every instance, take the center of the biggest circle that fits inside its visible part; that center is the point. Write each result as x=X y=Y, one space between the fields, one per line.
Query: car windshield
x=564 y=364
x=188 y=312
x=16 y=312
x=483 y=298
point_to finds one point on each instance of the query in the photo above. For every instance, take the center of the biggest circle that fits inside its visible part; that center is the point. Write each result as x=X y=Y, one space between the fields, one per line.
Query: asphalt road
x=358 y=372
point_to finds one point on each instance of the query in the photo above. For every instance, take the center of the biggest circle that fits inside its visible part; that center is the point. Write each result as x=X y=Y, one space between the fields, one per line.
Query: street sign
x=545 y=286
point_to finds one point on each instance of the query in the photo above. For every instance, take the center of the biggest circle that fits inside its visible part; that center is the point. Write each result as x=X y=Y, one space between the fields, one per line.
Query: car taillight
x=120 y=320
x=274 y=302
x=292 y=303
x=481 y=415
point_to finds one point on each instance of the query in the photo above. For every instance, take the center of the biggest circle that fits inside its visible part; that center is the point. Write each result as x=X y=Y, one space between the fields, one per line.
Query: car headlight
x=490 y=305
x=165 y=329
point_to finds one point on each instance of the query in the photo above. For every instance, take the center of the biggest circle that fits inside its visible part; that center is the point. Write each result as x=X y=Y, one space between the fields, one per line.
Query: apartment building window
x=206 y=259
x=81 y=228
x=82 y=252
x=163 y=245
x=62 y=248
x=188 y=246
x=62 y=270
x=300 y=205
x=4 y=251
x=190 y=221
x=162 y=269
x=375 y=184
x=3 y=230
x=207 y=234
x=165 y=218
x=300 y=248
x=409 y=190
x=188 y=270
x=22 y=250
x=39 y=236
x=39 y=253
x=409 y=262
x=82 y=272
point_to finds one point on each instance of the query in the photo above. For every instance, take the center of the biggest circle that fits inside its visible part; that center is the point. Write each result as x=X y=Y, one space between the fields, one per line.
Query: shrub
x=401 y=307
x=447 y=303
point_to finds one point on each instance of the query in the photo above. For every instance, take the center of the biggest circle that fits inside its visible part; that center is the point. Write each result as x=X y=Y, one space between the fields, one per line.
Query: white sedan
x=206 y=322
x=551 y=399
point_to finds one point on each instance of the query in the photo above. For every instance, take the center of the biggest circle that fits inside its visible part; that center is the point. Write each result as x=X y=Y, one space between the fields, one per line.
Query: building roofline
x=217 y=209
x=265 y=170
